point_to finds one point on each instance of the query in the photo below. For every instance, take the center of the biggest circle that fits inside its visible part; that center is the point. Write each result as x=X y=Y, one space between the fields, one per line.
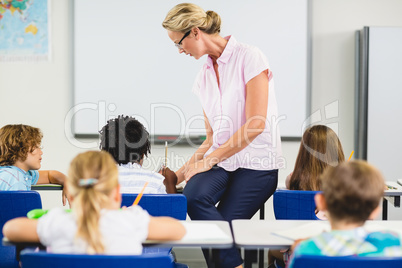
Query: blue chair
x=14 y=204
x=294 y=205
x=308 y=261
x=30 y=259
x=172 y=205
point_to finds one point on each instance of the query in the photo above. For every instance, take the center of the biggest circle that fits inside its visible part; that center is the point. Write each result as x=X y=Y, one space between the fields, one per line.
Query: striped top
x=132 y=178
x=13 y=178
x=354 y=242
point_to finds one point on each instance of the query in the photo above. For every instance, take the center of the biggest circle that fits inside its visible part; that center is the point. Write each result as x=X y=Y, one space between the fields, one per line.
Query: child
x=20 y=159
x=96 y=224
x=127 y=141
x=351 y=195
x=320 y=147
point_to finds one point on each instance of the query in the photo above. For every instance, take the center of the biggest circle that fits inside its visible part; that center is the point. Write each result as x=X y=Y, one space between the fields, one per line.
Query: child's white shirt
x=132 y=178
x=123 y=231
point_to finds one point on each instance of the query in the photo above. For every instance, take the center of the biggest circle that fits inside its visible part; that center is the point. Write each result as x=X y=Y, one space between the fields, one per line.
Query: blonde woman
x=96 y=224
x=238 y=163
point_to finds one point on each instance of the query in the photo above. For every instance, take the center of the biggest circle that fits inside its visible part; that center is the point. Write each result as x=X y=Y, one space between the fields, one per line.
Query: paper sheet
x=203 y=231
x=305 y=231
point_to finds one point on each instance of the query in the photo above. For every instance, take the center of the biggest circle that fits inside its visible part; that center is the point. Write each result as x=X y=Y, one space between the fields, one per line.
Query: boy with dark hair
x=351 y=194
x=127 y=140
x=20 y=159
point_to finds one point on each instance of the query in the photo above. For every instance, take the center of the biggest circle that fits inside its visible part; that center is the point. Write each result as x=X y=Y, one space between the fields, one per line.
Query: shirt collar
x=131 y=165
x=227 y=52
x=15 y=168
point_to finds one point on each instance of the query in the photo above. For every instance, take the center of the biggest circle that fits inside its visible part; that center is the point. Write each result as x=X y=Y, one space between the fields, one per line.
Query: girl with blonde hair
x=96 y=224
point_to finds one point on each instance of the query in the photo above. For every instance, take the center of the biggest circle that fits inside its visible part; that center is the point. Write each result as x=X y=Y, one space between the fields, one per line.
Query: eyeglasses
x=178 y=45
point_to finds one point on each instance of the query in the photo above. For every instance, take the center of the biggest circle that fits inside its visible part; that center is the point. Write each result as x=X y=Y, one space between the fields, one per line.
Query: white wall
x=41 y=94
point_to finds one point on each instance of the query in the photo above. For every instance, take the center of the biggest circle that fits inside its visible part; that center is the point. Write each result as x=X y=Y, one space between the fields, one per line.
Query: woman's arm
x=165 y=228
x=53 y=176
x=199 y=154
x=21 y=230
x=256 y=112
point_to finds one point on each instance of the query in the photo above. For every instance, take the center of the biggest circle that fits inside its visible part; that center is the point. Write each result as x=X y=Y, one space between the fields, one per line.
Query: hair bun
x=213 y=22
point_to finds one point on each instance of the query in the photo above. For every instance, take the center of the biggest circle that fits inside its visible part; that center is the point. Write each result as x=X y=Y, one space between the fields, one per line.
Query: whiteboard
x=125 y=63
x=384 y=114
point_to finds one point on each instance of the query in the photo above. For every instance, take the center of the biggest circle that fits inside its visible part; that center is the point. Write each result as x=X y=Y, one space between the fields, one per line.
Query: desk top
x=47 y=187
x=390 y=192
x=210 y=234
x=393 y=192
x=251 y=234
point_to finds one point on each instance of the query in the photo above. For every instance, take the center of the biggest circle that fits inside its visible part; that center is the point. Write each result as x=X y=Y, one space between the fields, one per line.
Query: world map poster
x=24 y=30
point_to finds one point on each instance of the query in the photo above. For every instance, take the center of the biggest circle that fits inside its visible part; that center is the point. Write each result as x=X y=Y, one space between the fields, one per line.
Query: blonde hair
x=320 y=147
x=186 y=16
x=90 y=198
x=16 y=141
x=352 y=190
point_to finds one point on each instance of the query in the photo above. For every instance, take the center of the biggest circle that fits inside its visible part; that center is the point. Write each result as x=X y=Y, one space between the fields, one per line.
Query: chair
x=30 y=259
x=294 y=205
x=172 y=205
x=346 y=262
x=14 y=204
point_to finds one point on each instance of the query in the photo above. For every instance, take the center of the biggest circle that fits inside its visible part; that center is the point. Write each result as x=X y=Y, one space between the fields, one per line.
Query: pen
x=351 y=155
x=138 y=198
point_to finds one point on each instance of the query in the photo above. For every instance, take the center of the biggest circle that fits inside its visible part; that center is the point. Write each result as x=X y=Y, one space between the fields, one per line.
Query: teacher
x=237 y=164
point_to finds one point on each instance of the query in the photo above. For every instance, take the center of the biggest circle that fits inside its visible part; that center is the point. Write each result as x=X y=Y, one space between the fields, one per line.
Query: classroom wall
x=41 y=94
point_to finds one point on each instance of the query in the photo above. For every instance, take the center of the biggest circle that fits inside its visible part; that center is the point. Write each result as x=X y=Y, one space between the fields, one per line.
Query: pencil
x=166 y=147
x=391 y=187
x=351 y=155
x=138 y=198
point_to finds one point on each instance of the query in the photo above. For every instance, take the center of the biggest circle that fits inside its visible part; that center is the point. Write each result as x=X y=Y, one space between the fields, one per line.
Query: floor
x=194 y=258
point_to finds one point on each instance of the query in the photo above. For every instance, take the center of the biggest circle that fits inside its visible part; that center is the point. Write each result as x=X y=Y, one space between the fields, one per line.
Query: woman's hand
x=197 y=167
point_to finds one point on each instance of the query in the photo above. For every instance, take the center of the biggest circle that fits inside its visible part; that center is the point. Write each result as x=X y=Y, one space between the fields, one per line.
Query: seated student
x=96 y=224
x=320 y=148
x=127 y=141
x=351 y=195
x=20 y=159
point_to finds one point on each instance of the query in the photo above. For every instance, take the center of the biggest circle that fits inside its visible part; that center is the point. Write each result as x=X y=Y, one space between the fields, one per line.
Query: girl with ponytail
x=96 y=225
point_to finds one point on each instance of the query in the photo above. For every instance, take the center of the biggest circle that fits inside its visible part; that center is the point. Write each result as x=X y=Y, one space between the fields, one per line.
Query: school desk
x=280 y=234
x=393 y=196
x=206 y=234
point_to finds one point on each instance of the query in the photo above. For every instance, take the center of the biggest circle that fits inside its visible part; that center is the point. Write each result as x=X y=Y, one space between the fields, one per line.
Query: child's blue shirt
x=354 y=242
x=13 y=178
